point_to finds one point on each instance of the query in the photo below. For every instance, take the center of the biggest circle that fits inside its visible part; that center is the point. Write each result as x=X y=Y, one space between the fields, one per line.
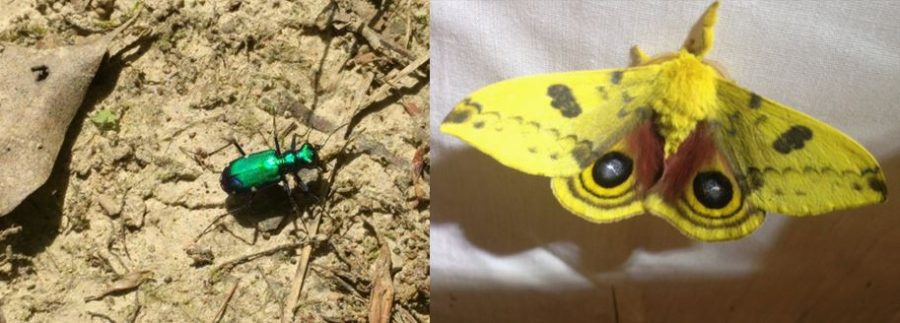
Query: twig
x=137 y=310
x=228 y=265
x=102 y=316
x=328 y=272
x=300 y=274
x=360 y=26
x=409 y=69
x=382 y=92
x=377 y=42
x=221 y=312
x=409 y=30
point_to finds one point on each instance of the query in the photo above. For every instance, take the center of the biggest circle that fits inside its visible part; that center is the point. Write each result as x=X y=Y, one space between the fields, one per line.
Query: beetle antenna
x=333 y=132
x=275 y=136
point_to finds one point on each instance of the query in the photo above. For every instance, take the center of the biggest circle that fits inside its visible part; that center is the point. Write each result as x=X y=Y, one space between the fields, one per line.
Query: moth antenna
x=701 y=37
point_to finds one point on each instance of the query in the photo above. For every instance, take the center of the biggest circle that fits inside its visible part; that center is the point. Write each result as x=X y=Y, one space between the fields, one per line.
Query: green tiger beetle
x=259 y=170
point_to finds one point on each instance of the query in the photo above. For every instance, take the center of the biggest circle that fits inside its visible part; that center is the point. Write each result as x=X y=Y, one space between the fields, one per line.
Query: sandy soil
x=134 y=206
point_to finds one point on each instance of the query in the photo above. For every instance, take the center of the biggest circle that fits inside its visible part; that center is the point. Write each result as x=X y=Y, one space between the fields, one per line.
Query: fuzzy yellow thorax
x=688 y=95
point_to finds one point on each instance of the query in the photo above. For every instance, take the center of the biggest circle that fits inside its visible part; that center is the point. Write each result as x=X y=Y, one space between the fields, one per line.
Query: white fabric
x=497 y=229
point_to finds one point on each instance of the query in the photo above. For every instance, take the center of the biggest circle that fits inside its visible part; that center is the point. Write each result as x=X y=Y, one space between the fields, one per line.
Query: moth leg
x=638 y=56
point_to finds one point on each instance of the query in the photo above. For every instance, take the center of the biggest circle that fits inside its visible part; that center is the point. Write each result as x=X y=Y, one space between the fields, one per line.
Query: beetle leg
x=287 y=189
x=305 y=188
x=240 y=150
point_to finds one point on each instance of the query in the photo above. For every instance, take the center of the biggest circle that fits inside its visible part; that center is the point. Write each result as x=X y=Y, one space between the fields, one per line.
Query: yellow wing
x=610 y=188
x=554 y=124
x=791 y=163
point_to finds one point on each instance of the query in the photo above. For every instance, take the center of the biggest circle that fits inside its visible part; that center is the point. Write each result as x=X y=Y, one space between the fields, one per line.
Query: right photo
x=664 y=161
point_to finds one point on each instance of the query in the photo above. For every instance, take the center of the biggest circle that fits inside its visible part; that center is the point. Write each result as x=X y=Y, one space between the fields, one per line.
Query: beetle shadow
x=268 y=210
x=504 y=212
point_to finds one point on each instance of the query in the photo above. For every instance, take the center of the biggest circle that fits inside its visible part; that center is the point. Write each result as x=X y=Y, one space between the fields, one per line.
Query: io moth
x=670 y=136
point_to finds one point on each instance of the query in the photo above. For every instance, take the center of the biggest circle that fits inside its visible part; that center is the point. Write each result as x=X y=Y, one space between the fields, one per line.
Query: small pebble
x=109 y=205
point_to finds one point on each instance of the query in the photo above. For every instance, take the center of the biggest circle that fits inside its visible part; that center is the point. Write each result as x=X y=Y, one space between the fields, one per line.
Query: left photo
x=214 y=161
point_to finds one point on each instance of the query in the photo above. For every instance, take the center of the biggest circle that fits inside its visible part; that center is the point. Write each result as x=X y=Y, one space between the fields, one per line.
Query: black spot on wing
x=755 y=101
x=877 y=185
x=478 y=124
x=616 y=77
x=582 y=153
x=463 y=112
x=760 y=120
x=563 y=100
x=458 y=116
x=792 y=139
x=754 y=178
x=603 y=93
x=472 y=104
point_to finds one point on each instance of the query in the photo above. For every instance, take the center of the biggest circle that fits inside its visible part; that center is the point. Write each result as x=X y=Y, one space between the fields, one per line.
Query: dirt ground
x=133 y=225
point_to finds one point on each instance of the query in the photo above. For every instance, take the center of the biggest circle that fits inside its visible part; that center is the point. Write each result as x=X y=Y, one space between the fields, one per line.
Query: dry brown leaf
x=410 y=107
x=40 y=92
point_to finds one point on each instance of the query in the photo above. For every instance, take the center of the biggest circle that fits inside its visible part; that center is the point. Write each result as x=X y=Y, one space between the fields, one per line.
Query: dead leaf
x=40 y=92
x=410 y=107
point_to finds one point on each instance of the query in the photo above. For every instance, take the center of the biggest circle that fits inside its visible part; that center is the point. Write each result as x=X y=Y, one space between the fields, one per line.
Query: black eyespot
x=713 y=189
x=612 y=169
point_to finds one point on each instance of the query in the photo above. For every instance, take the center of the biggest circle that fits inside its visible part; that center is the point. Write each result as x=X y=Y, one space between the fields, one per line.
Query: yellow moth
x=670 y=136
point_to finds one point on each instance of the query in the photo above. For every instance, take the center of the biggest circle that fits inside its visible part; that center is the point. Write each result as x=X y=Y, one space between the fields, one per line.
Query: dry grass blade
x=382 y=92
x=228 y=265
x=126 y=283
x=382 y=298
x=224 y=307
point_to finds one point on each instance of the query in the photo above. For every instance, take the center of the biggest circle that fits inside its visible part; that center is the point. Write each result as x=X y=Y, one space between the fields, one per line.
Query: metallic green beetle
x=266 y=168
